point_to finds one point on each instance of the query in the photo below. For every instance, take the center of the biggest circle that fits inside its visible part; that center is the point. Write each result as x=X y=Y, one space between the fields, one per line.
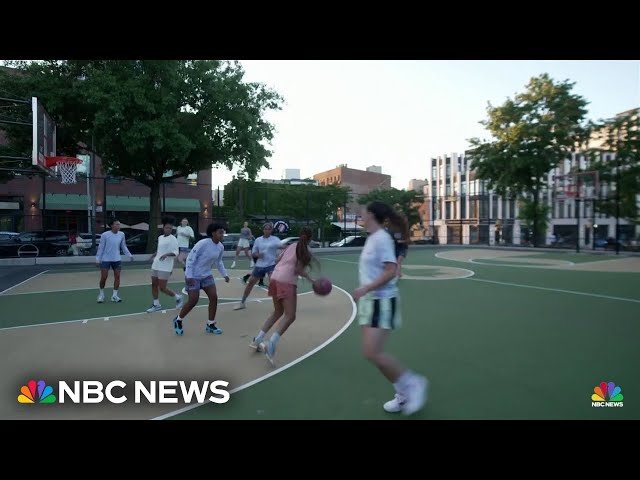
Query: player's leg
x=378 y=318
x=193 y=288
x=104 y=274
x=163 y=281
x=289 y=297
x=212 y=293
x=117 y=268
x=155 y=306
x=238 y=248
x=278 y=311
x=257 y=274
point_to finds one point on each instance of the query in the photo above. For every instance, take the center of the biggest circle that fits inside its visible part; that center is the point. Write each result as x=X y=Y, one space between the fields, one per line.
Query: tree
x=150 y=117
x=620 y=140
x=405 y=202
x=301 y=202
x=531 y=134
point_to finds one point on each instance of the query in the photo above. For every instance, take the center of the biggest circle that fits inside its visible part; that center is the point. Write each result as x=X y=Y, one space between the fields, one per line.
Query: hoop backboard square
x=44 y=136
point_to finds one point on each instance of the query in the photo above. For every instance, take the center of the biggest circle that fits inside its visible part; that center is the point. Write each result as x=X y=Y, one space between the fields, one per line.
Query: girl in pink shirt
x=283 y=288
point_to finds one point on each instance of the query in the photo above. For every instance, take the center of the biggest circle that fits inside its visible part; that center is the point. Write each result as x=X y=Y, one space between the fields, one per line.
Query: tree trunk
x=154 y=218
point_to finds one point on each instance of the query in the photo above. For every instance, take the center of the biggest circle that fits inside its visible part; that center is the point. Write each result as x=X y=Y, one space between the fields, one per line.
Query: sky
x=398 y=114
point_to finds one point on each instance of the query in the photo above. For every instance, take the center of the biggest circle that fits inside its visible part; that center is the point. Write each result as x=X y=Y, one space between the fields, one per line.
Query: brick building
x=361 y=182
x=30 y=204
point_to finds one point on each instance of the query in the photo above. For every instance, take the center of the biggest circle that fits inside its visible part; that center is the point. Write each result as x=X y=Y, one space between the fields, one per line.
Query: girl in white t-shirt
x=379 y=306
x=162 y=265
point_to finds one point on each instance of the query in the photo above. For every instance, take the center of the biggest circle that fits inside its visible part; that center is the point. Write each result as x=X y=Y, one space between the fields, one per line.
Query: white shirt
x=183 y=241
x=203 y=257
x=269 y=249
x=378 y=250
x=168 y=244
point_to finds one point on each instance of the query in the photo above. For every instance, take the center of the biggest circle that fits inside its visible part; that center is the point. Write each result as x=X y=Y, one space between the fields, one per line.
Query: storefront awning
x=119 y=203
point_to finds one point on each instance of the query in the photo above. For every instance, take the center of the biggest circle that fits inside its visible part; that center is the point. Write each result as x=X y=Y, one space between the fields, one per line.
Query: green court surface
x=501 y=343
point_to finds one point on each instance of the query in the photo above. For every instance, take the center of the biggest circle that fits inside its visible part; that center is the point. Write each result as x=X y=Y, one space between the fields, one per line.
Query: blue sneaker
x=213 y=329
x=177 y=326
x=269 y=350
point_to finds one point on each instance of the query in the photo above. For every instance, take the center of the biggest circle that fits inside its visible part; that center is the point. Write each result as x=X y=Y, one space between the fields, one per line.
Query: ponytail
x=303 y=254
x=382 y=212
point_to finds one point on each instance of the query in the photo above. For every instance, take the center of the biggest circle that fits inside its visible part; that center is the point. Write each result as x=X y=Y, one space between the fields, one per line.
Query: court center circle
x=436 y=272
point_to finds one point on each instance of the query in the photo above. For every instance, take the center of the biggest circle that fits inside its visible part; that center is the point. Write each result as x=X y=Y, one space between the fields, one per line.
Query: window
x=448 y=170
x=464 y=188
x=560 y=209
x=433 y=172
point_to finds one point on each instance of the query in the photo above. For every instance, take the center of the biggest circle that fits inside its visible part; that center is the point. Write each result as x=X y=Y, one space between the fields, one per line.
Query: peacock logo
x=607 y=395
x=44 y=391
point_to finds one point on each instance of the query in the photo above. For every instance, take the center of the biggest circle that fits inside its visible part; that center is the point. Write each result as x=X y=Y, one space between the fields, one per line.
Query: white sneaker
x=101 y=298
x=395 y=405
x=233 y=265
x=252 y=264
x=416 y=395
x=116 y=299
x=255 y=345
x=240 y=306
x=154 y=308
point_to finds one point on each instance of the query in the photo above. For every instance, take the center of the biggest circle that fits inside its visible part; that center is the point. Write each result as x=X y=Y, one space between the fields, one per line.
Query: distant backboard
x=44 y=136
x=577 y=185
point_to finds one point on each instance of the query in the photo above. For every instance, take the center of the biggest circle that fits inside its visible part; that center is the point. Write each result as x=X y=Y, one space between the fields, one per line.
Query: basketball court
x=143 y=346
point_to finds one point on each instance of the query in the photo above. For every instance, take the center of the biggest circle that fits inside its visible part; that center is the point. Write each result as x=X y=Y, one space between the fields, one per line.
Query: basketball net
x=67 y=168
x=67 y=172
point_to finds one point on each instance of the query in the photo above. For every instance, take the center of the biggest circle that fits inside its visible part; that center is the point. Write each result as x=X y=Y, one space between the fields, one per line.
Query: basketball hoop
x=67 y=167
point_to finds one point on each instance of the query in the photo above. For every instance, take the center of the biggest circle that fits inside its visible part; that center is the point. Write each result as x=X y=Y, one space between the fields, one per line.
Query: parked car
x=36 y=244
x=351 y=241
x=289 y=240
x=230 y=241
x=138 y=243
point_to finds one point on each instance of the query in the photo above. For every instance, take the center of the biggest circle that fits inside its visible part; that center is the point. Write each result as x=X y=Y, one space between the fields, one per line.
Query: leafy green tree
x=406 y=202
x=530 y=135
x=154 y=120
x=619 y=140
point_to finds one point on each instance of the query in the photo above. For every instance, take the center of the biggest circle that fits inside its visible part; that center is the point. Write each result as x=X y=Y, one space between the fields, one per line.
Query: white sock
x=211 y=322
x=102 y=292
x=115 y=293
x=178 y=318
x=260 y=336
x=274 y=339
x=156 y=302
x=403 y=383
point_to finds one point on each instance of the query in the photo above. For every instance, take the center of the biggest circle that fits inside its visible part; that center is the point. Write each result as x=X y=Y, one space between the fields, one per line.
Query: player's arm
x=191 y=260
x=124 y=249
x=221 y=268
x=100 y=250
x=255 y=251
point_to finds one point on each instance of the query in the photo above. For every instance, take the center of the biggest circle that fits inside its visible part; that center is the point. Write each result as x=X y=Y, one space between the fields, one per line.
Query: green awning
x=127 y=204
x=182 y=205
x=141 y=204
x=118 y=203
x=60 y=201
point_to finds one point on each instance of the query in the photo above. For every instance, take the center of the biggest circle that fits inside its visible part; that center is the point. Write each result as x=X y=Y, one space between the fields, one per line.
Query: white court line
x=566 y=263
x=573 y=292
x=18 y=284
x=469 y=273
x=85 y=320
x=147 y=284
x=340 y=261
x=354 y=312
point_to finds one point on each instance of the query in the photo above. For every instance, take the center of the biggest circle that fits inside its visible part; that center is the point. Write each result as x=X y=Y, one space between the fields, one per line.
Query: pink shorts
x=282 y=290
